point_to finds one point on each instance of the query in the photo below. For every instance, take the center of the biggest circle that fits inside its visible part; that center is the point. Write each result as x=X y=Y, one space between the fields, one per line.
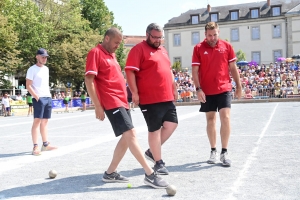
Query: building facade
x=264 y=30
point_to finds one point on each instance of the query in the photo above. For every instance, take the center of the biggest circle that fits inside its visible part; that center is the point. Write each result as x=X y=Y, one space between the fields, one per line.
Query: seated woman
x=248 y=93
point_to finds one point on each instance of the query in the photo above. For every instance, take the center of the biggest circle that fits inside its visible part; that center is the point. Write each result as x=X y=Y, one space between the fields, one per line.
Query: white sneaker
x=225 y=160
x=213 y=157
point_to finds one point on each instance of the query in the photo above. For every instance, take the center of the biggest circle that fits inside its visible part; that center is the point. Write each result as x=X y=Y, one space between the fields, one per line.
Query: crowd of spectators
x=275 y=80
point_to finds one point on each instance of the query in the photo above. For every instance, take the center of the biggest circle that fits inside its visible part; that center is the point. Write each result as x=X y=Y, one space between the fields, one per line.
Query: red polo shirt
x=109 y=80
x=153 y=73
x=213 y=62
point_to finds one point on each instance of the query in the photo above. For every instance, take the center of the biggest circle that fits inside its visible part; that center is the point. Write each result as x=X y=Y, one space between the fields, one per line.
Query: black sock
x=159 y=162
x=224 y=150
x=35 y=145
x=213 y=149
x=45 y=144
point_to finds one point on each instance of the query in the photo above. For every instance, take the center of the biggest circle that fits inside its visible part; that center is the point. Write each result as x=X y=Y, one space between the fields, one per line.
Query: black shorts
x=65 y=102
x=216 y=102
x=120 y=120
x=42 y=109
x=30 y=104
x=156 y=114
x=82 y=100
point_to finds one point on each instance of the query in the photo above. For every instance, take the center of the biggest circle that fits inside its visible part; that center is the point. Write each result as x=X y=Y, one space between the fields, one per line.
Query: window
x=276 y=31
x=255 y=56
x=195 y=19
x=255 y=33
x=254 y=13
x=277 y=54
x=234 y=15
x=276 y=11
x=177 y=40
x=195 y=38
x=214 y=17
x=234 y=34
x=177 y=59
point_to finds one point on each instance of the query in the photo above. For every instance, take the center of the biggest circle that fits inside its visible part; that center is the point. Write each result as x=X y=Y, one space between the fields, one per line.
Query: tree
x=240 y=56
x=177 y=66
x=9 y=60
x=97 y=13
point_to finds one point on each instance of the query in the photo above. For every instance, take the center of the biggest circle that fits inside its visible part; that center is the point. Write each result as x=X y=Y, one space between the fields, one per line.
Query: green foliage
x=68 y=30
x=241 y=56
x=177 y=66
x=9 y=55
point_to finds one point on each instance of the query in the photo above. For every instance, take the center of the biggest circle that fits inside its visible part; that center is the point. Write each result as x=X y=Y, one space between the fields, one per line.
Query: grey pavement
x=264 y=148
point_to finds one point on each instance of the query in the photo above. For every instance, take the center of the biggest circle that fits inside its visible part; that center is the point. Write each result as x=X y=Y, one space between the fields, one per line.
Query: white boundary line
x=27 y=159
x=242 y=175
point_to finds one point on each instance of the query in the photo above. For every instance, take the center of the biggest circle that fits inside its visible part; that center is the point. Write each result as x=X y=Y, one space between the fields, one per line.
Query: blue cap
x=42 y=52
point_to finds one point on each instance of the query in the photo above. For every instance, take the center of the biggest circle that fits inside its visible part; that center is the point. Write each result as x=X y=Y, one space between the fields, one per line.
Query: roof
x=132 y=40
x=287 y=6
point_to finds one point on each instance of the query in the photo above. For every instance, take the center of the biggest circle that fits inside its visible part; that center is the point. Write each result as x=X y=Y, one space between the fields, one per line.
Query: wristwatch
x=198 y=88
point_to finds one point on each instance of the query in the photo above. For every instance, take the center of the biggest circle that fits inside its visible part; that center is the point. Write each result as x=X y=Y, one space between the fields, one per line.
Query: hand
x=201 y=96
x=99 y=111
x=238 y=93
x=135 y=98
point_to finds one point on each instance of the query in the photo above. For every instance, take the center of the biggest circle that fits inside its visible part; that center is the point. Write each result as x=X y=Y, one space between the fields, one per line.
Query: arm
x=175 y=92
x=31 y=90
x=200 y=93
x=132 y=86
x=236 y=77
x=90 y=85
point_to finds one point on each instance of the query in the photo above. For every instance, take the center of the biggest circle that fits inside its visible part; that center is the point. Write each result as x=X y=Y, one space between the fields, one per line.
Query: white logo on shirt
x=205 y=52
x=151 y=54
x=108 y=60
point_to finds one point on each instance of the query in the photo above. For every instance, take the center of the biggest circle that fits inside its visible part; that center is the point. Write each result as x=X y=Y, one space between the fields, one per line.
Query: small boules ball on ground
x=52 y=174
x=171 y=190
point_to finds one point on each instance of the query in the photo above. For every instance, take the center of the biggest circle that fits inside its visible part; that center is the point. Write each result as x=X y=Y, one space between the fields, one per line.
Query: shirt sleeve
x=134 y=59
x=196 y=59
x=92 y=62
x=29 y=74
x=231 y=54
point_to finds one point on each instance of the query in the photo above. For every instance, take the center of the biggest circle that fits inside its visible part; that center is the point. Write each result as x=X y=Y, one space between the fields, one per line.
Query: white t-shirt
x=19 y=98
x=5 y=102
x=40 y=80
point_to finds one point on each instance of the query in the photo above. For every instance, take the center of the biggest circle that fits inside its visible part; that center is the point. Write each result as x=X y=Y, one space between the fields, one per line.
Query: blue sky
x=135 y=15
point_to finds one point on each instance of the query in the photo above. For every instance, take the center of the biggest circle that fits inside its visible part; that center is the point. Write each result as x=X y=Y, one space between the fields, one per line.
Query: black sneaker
x=149 y=156
x=114 y=178
x=160 y=168
x=155 y=181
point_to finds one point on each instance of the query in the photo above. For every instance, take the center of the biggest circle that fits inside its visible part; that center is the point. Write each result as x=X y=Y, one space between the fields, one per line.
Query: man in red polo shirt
x=151 y=81
x=212 y=64
x=106 y=86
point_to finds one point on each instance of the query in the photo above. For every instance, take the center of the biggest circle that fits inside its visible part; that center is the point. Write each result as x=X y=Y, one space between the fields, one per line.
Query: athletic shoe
x=213 y=157
x=48 y=147
x=114 y=178
x=225 y=160
x=149 y=156
x=36 y=151
x=155 y=181
x=160 y=168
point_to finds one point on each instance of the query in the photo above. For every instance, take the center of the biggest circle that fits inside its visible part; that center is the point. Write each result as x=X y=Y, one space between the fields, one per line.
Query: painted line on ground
x=242 y=174
x=16 y=163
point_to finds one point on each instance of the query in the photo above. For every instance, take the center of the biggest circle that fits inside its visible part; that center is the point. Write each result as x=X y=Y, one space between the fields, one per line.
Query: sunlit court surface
x=264 y=149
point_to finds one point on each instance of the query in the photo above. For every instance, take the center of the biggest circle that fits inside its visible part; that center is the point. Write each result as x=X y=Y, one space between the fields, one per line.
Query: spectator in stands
x=6 y=104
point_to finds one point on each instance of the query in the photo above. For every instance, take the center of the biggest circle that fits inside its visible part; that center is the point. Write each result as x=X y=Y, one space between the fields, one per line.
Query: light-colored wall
x=265 y=45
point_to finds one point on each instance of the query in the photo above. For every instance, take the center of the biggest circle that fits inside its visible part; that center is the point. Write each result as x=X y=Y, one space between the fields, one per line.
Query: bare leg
x=167 y=130
x=44 y=129
x=225 y=126
x=35 y=130
x=154 y=139
x=211 y=128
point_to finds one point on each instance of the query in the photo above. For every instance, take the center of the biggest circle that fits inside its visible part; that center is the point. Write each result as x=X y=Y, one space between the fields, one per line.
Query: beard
x=154 y=45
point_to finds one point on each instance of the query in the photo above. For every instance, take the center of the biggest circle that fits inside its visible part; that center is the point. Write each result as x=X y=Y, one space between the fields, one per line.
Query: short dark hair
x=211 y=26
x=112 y=32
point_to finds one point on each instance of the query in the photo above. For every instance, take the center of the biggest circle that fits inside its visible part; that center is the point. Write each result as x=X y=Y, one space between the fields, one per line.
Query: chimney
x=269 y=2
x=208 y=8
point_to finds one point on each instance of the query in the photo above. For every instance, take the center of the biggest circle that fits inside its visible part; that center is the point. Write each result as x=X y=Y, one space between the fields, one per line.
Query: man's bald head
x=112 y=32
